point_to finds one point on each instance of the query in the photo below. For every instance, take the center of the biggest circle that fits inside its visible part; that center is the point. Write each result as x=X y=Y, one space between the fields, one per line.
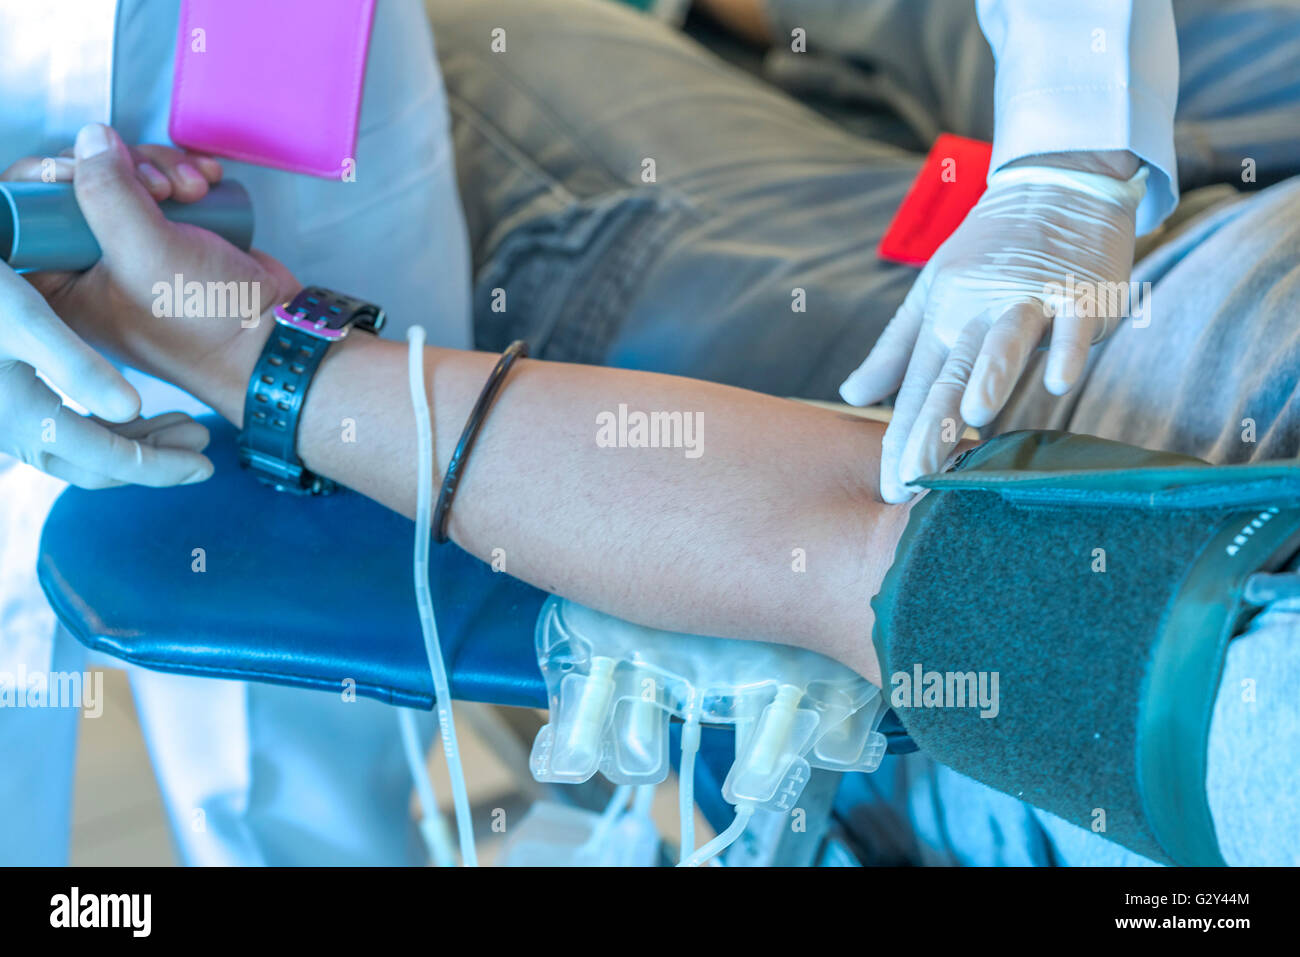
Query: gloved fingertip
x=1058 y=381
x=851 y=390
x=909 y=472
x=114 y=405
x=909 y=475
x=980 y=403
x=977 y=412
x=894 y=488
x=894 y=493
x=921 y=457
x=1064 y=367
x=200 y=474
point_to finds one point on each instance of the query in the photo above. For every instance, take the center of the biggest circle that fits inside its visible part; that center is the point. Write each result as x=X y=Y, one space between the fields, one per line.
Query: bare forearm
x=767 y=527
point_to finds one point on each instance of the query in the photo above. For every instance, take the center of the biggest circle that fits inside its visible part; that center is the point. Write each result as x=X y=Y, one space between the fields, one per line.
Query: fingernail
x=152 y=176
x=210 y=167
x=190 y=174
x=92 y=140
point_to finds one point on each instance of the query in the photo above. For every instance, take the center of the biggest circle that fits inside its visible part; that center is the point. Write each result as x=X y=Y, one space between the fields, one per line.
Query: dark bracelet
x=456 y=468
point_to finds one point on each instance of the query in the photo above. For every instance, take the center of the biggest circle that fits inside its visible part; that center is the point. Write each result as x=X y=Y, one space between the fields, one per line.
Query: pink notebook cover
x=272 y=82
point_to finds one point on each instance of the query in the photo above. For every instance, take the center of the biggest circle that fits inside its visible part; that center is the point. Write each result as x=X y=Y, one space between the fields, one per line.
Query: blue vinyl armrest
x=298 y=591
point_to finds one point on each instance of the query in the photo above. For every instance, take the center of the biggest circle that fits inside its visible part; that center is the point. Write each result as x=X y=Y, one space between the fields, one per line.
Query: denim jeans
x=673 y=214
x=928 y=62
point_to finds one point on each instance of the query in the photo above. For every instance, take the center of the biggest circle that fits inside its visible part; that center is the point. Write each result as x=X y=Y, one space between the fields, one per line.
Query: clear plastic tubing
x=686 y=782
x=428 y=625
x=432 y=827
x=724 y=840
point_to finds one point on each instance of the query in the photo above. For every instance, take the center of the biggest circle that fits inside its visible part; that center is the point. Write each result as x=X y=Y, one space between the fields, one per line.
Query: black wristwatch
x=304 y=331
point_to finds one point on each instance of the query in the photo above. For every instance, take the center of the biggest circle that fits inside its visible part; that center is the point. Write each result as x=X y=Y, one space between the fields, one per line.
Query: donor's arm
x=760 y=519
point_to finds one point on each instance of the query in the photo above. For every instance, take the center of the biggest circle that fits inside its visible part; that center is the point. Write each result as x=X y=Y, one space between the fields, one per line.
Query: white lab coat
x=249 y=773
x=1087 y=75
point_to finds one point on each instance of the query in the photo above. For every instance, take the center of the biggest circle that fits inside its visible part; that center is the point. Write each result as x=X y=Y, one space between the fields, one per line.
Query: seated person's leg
x=928 y=60
x=924 y=60
x=632 y=200
x=1254 y=771
x=756 y=210
x=1238 y=98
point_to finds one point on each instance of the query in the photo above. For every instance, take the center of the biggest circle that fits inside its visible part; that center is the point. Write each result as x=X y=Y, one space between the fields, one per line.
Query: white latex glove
x=1031 y=255
x=37 y=428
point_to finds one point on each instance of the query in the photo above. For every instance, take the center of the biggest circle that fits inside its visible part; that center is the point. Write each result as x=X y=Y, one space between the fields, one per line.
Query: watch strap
x=273 y=407
x=305 y=328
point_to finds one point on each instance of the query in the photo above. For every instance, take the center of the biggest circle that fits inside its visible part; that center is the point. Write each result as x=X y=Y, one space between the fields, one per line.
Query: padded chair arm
x=230 y=579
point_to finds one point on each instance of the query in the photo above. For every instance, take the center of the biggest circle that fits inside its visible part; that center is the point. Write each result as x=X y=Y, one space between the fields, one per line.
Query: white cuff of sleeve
x=1102 y=117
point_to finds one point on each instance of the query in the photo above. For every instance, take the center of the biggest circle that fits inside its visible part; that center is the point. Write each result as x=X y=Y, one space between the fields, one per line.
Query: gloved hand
x=1033 y=253
x=36 y=427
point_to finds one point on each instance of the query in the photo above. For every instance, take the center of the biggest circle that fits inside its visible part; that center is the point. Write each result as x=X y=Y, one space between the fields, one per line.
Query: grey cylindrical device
x=41 y=226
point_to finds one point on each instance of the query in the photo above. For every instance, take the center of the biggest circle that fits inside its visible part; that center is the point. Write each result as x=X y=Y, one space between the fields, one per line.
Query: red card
x=949 y=184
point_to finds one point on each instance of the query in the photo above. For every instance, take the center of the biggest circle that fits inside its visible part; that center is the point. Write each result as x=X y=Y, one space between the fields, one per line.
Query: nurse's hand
x=1037 y=256
x=125 y=303
x=116 y=446
x=113 y=445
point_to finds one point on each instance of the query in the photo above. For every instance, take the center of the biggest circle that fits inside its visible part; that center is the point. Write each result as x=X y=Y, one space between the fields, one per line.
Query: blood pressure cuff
x=1056 y=619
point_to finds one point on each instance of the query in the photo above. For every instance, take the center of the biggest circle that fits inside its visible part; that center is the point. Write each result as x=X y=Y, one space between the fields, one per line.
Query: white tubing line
x=428 y=625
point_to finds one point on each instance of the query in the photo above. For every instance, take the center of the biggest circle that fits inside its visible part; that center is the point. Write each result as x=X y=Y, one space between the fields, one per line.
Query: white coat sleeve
x=1087 y=75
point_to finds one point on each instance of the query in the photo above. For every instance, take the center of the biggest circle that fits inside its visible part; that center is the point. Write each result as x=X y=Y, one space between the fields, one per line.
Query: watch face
x=329 y=315
x=320 y=328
